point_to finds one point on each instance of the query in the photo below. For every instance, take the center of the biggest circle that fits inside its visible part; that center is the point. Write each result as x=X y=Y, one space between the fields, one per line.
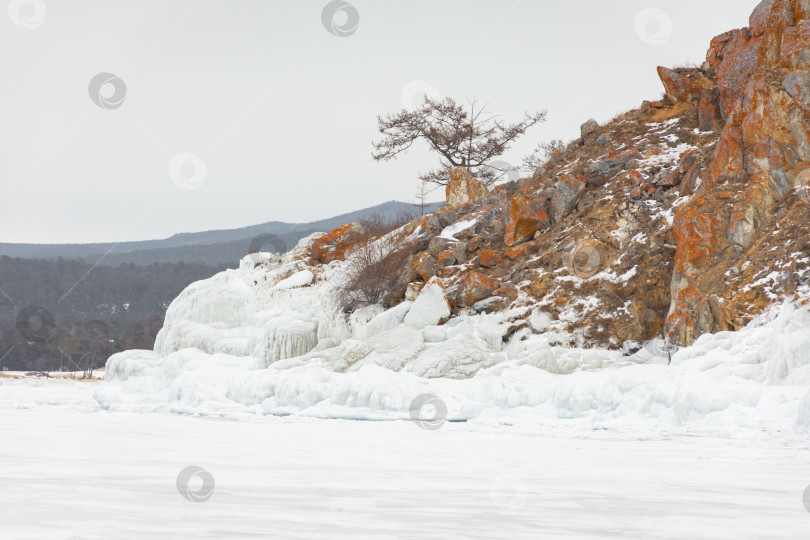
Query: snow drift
x=265 y=339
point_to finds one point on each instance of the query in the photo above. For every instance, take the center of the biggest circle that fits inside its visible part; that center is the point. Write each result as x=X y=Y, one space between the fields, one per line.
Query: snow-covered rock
x=430 y=306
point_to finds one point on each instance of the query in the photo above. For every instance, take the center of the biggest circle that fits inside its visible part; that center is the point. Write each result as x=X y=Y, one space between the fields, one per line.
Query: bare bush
x=378 y=224
x=543 y=153
x=371 y=274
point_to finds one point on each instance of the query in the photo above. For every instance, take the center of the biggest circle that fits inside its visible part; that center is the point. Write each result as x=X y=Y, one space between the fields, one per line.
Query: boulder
x=426 y=266
x=445 y=215
x=489 y=258
x=476 y=242
x=428 y=225
x=589 y=127
x=517 y=251
x=446 y=258
x=439 y=243
x=525 y=216
x=334 y=245
x=463 y=188
x=430 y=307
x=604 y=139
x=599 y=172
x=689 y=170
x=471 y=287
x=686 y=85
x=567 y=194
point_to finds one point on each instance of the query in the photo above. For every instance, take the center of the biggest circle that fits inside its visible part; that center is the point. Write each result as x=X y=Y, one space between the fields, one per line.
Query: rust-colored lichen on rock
x=334 y=245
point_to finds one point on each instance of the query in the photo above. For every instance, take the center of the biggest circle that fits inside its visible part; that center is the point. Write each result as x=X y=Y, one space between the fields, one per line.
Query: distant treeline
x=70 y=315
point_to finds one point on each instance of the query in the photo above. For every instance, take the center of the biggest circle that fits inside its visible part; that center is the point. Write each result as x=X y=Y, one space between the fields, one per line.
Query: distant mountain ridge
x=216 y=247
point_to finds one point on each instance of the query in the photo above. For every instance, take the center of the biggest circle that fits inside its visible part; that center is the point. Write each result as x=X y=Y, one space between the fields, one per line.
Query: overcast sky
x=226 y=114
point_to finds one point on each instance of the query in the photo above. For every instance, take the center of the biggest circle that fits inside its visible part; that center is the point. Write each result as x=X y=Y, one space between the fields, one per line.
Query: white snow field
x=74 y=471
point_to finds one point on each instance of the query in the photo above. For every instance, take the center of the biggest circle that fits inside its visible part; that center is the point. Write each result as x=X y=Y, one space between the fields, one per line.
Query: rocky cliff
x=685 y=216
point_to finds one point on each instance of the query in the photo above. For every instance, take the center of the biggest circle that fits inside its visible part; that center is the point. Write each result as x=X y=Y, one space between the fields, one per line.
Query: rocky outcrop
x=525 y=216
x=690 y=214
x=599 y=172
x=471 y=287
x=589 y=127
x=764 y=101
x=463 y=188
x=566 y=194
x=684 y=85
x=334 y=245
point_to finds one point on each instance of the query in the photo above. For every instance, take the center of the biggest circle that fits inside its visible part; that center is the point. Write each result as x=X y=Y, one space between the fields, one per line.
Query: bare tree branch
x=463 y=137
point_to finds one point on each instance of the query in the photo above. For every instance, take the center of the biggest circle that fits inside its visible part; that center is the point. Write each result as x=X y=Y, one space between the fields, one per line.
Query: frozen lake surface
x=73 y=471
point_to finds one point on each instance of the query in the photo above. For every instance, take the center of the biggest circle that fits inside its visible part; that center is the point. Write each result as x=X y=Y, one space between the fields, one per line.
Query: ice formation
x=266 y=339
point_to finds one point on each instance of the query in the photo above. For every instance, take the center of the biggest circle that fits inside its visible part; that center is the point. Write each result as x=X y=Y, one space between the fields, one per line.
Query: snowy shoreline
x=264 y=340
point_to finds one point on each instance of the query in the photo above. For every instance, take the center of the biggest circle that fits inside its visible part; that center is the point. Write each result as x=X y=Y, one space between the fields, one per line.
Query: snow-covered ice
x=74 y=471
x=263 y=339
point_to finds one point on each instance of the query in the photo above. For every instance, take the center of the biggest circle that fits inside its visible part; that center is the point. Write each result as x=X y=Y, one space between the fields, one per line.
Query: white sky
x=281 y=112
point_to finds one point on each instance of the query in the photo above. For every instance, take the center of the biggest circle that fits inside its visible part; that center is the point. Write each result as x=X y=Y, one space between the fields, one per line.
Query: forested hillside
x=67 y=314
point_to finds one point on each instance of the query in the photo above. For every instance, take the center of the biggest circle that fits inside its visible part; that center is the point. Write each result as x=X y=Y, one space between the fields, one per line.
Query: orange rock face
x=695 y=237
x=463 y=189
x=426 y=267
x=334 y=245
x=741 y=59
x=682 y=86
x=795 y=50
x=771 y=15
x=717 y=50
x=761 y=80
x=525 y=216
x=489 y=258
x=472 y=287
x=516 y=251
x=728 y=157
x=709 y=118
x=446 y=258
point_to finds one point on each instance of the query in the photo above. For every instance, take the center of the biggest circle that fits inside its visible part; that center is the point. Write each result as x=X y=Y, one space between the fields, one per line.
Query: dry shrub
x=544 y=153
x=372 y=270
x=378 y=224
